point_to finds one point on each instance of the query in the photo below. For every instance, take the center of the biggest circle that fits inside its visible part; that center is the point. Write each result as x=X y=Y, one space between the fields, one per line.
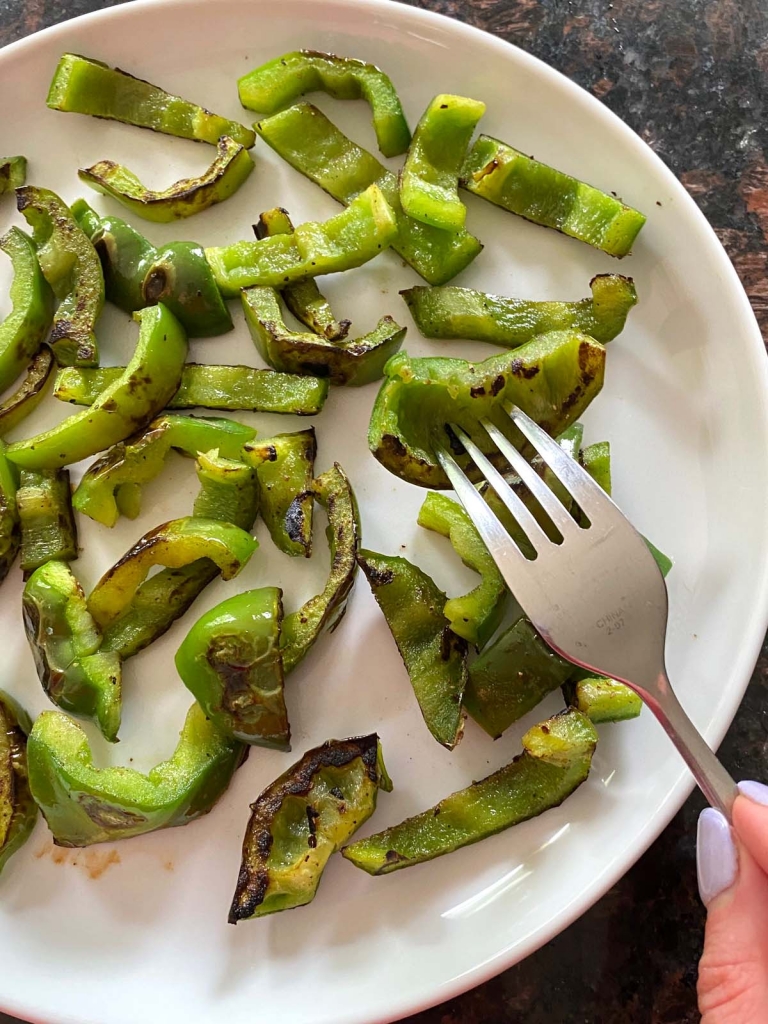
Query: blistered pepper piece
x=48 y=529
x=40 y=373
x=284 y=466
x=18 y=811
x=13 y=172
x=229 y=490
x=602 y=700
x=24 y=329
x=10 y=526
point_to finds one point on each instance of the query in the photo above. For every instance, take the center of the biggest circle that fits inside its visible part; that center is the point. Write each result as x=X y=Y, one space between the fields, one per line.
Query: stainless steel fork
x=597 y=596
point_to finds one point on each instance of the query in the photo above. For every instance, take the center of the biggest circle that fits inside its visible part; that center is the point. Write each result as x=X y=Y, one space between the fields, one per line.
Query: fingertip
x=716 y=858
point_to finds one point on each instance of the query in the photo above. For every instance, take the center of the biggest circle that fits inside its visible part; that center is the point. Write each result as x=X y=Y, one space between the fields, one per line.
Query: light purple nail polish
x=754 y=791
x=716 y=858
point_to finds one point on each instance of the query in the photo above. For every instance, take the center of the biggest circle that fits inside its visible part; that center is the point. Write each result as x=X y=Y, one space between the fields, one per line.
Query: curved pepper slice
x=231 y=661
x=540 y=193
x=13 y=172
x=229 y=490
x=553 y=378
x=82 y=85
x=429 y=183
x=173 y=544
x=84 y=804
x=150 y=379
x=24 y=329
x=301 y=819
x=65 y=643
x=284 y=466
x=353 y=363
x=452 y=312
x=556 y=759
x=434 y=656
x=48 y=529
x=305 y=138
x=185 y=197
x=349 y=239
x=10 y=527
x=15 y=409
x=111 y=486
x=18 y=811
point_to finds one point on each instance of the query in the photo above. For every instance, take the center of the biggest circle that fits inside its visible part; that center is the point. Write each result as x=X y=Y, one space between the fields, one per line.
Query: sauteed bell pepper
x=602 y=700
x=10 y=527
x=24 y=329
x=48 y=529
x=556 y=759
x=284 y=466
x=84 y=804
x=18 y=811
x=279 y=82
x=308 y=141
x=229 y=490
x=301 y=819
x=128 y=404
x=82 y=85
x=13 y=172
x=30 y=393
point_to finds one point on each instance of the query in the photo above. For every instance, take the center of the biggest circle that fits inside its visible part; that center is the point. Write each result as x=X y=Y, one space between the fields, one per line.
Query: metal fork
x=597 y=597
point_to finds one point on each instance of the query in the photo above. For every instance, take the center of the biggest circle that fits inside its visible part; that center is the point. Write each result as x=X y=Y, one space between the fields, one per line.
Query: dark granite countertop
x=691 y=77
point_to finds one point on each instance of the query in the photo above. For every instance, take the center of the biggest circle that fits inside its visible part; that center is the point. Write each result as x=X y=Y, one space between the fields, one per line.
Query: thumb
x=733 y=882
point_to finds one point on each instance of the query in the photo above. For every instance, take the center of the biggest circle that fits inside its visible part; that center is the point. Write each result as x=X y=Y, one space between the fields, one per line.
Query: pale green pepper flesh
x=24 y=329
x=48 y=528
x=13 y=173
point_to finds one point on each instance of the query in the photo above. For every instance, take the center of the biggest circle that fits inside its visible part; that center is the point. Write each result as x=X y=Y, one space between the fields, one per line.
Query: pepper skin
x=556 y=759
x=48 y=530
x=305 y=138
x=84 y=804
x=429 y=183
x=301 y=819
x=150 y=379
x=111 y=486
x=18 y=811
x=452 y=312
x=518 y=183
x=13 y=173
x=279 y=82
x=229 y=490
x=602 y=700
x=15 y=409
x=72 y=269
x=352 y=363
x=231 y=661
x=65 y=642
x=185 y=197
x=82 y=85
x=10 y=527
x=553 y=378
x=350 y=239
x=284 y=466
x=24 y=329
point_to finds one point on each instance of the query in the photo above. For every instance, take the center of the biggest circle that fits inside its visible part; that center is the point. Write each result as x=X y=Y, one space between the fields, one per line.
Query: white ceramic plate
x=114 y=935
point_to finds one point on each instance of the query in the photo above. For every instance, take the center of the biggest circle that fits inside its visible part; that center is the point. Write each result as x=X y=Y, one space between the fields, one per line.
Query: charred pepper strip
x=349 y=239
x=15 y=409
x=13 y=172
x=351 y=363
x=65 y=642
x=229 y=490
x=452 y=312
x=602 y=700
x=305 y=138
x=150 y=379
x=82 y=85
x=518 y=183
x=10 y=526
x=231 y=661
x=301 y=819
x=84 y=804
x=284 y=466
x=24 y=329
x=18 y=811
x=429 y=183
x=185 y=197
x=233 y=388
x=279 y=82
x=556 y=759
x=48 y=529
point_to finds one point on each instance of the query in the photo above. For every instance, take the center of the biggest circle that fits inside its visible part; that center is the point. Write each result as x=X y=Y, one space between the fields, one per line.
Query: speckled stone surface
x=691 y=77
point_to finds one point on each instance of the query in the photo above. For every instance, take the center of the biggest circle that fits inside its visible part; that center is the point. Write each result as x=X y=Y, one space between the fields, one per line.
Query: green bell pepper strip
x=301 y=819
x=477 y=615
x=602 y=700
x=553 y=378
x=24 y=329
x=32 y=390
x=229 y=490
x=284 y=467
x=352 y=363
x=231 y=661
x=111 y=486
x=518 y=183
x=173 y=544
x=305 y=138
x=429 y=182
x=304 y=299
x=185 y=197
x=452 y=312
x=150 y=379
x=72 y=269
x=13 y=172
x=279 y=82
x=434 y=656
x=232 y=388
x=556 y=759
x=350 y=239
x=10 y=526
x=324 y=611
x=82 y=85
x=65 y=642
x=18 y=811
x=84 y=804
x=48 y=529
